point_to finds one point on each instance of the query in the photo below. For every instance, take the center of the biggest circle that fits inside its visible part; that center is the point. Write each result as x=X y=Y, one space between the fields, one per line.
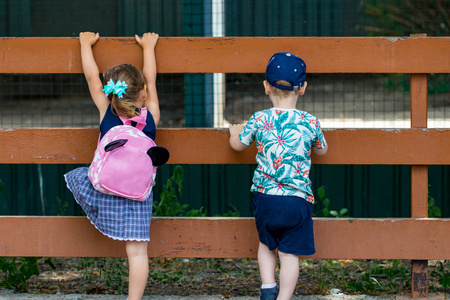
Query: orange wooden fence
x=417 y=238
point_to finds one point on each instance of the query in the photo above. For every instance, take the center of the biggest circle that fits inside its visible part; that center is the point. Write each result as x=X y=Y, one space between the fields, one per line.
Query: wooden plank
x=234 y=54
x=419 y=191
x=419 y=174
x=419 y=279
x=419 y=180
x=420 y=239
x=419 y=100
x=210 y=146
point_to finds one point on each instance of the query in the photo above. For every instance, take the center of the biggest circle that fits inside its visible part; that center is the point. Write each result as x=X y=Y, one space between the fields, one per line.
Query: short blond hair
x=282 y=93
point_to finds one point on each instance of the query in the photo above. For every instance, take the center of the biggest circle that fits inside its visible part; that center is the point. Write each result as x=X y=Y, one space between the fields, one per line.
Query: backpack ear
x=159 y=155
x=115 y=144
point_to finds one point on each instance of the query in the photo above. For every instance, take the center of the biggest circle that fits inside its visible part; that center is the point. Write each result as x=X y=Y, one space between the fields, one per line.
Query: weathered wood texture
x=419 y=180
x=347 y=146
x=419 y=239
x=234 y=54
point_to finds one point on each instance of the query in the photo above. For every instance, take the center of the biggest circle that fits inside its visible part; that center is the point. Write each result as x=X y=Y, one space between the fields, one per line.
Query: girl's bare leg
x=138 y=264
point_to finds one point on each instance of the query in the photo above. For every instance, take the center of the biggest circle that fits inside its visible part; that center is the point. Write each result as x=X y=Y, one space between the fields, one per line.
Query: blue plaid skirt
x=116 y=217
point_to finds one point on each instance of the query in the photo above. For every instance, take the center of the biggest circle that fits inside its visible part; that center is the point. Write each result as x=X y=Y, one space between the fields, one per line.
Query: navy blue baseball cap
x=288 y=67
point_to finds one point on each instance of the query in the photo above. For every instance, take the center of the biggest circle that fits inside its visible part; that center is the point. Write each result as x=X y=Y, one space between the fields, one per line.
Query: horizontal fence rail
x=421 y=239
x=210 y=146
x=233 y=55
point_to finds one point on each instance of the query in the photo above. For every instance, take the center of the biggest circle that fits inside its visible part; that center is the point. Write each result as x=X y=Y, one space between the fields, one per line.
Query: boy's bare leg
x=267 y=261
x=288 y=275
x=138 y=264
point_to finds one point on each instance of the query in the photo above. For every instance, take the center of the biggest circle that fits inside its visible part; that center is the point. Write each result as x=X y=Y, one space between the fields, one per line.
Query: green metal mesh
x=349 y=100
x=338 y=100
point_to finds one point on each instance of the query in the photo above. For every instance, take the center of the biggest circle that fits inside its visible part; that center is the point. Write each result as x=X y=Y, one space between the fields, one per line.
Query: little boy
x=281 y=187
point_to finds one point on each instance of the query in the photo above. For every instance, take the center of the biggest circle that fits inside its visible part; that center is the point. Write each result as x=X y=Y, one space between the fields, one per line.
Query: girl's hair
x=135 y=80
x=282 y=93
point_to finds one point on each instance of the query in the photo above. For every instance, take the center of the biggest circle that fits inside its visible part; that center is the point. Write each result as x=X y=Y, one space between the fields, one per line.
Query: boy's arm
x=91 y=72
x=320 y=146
x=148 y=43
x=321 y=151
x=235 y=142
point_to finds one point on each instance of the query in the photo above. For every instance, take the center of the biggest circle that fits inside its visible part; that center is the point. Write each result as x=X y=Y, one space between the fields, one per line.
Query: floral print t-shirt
x=284 y=138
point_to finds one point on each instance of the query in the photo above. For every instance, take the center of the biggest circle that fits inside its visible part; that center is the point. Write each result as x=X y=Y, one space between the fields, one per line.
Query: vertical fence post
x=419 y=179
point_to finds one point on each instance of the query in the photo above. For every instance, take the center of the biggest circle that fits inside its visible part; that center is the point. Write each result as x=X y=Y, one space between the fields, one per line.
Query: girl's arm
x=148 y=43
x=91 y=72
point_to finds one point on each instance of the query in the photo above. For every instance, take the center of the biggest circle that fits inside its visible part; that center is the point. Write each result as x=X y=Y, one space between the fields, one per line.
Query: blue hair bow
x=115 y=88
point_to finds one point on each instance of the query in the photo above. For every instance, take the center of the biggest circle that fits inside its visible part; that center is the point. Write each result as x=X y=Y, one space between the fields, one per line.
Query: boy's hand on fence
x=148 y=40
x=89 y=38
x=235 y=142
x=235 y=129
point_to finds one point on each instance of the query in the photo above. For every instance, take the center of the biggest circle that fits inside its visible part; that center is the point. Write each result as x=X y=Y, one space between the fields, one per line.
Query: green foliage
x=16 y=271
x=110 y=270
x=334 y=270
x=322 y=282
x=394 y=277
x=402 y=18
x=437 y=83
x=433 y=210
x=230 y=213
x=114 y=271
x=325 y=202
x=86 y=265
x=441 y=274
x=62 y=206
x=165 y=277
x=169 y=205
x=196 y=212
x=380 y=276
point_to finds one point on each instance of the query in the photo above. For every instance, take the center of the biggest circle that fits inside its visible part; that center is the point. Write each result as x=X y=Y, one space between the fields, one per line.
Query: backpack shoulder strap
x=140 y=120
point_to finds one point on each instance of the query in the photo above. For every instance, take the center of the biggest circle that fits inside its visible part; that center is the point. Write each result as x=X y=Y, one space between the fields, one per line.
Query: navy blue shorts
x=284 y=222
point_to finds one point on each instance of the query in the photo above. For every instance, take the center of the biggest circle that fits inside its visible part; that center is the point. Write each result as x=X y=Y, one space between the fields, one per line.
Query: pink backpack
x=125 y=161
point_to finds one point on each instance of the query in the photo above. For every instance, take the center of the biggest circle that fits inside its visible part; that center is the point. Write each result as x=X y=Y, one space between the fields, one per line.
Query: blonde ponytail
x=127 y=105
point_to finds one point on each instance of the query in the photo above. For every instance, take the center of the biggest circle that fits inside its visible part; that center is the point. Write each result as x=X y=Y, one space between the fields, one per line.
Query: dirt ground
x=167 y=277
x=228 y=277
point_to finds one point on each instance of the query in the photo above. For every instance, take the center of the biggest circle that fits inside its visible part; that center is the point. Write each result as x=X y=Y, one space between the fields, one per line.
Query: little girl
x=116 y=217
